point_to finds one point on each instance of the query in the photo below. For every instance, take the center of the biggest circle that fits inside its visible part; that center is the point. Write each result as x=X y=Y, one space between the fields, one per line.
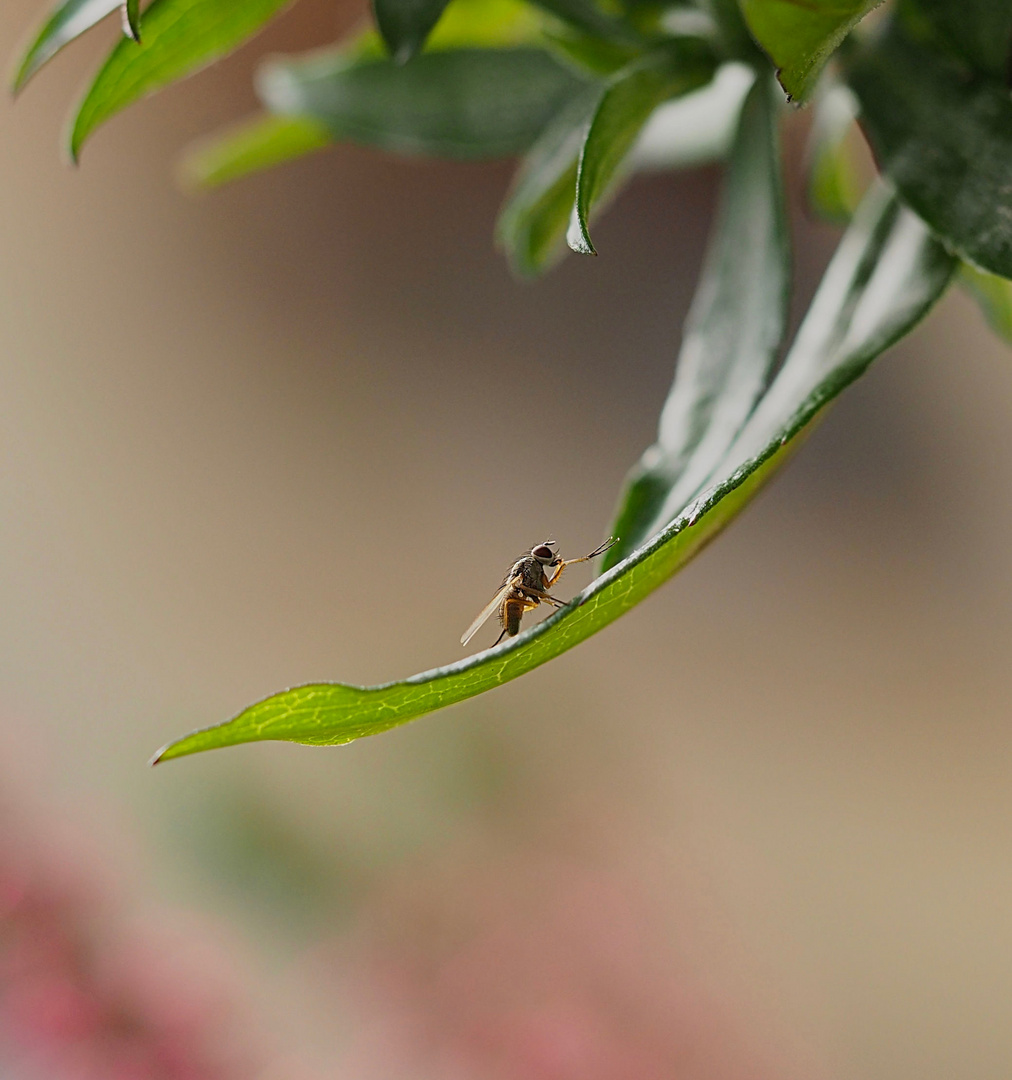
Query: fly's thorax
x=533 y=572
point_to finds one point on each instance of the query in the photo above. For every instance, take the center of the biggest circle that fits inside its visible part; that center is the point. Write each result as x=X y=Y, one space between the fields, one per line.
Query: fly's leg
x=540 y=594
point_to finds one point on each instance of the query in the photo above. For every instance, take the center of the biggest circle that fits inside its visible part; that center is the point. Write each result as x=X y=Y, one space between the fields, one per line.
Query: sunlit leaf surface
x=178 y=38
x=800 y=35
x=886 y=274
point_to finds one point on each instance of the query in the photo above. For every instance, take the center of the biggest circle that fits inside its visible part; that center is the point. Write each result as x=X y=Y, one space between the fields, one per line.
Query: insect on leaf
x=179 y=38
x=732 y=335
x=626 y=104
x=66 y=22
x=884 y=277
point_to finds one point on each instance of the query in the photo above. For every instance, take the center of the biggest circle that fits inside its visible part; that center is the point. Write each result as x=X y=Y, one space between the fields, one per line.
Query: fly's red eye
x=543 y=553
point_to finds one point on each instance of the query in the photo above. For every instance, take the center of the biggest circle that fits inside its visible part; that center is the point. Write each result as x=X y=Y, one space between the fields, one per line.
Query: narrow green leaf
x=132 y=19
x=696 y=129
x=627 y=102
x=464 y=103
x=886 y=274
x=993 y=294
x=835 y=184
x=945 y=139
x=259 y=143
x=801 y=35
x=532 y=223
x=180 y=37
x=66 y=22
x=405 y=24
x=732 y=334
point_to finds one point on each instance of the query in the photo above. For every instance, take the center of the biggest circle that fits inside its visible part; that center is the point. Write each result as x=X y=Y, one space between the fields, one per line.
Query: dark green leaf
x=993 y=294
x=405 y=24
x=587 y=16
x=532 y=223
x=946 y=141
x=627 y=102
x=978 y=30
x=180 y=37
x=132 y=19
x=732 y=334
x=465 y=103
x=886 y=274
x=66 y=22
x=800 y=35
x=257 y=144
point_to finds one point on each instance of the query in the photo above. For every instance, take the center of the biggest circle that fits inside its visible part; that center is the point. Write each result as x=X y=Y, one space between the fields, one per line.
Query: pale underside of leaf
x=732 y=335
x=884 y=277
x=69 y=20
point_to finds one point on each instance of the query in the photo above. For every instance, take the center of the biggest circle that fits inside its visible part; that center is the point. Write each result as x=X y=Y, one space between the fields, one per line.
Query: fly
x=526 y=585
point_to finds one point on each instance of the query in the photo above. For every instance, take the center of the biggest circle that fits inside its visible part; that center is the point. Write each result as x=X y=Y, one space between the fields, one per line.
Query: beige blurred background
x=294 y=431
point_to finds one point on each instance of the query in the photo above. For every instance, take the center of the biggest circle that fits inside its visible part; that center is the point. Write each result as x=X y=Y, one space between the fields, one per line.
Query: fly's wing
x=486 y=611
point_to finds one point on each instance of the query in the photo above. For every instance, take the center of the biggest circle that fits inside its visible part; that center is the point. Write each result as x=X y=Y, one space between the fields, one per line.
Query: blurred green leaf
x=628 y=100
x=258 y=143
x=593 y=20
x=66 y=22
x=179 y=38
x=801 y=35
x=464 y=103
x=980 y=31
x=835 y=184
x=993 y=294
x=132 y=19
x=886 y=274
x=405 y=24
x=945 y=139
x=732 y=334
x=532 y=223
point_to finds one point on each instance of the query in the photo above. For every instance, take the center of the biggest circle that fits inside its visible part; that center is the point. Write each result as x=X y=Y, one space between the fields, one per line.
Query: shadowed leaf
x=405 y=24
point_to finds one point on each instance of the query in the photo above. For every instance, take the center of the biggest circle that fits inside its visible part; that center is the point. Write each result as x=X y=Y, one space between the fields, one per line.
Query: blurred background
x=758 y=828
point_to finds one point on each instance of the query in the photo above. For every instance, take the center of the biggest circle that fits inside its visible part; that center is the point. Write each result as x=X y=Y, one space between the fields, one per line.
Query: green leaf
x=801 y=35
x=993 y=294
x=259 y=143
x=980 y=31
x=945 y=139
x=405 y=24
x=627 y=102
x=132 y=19
x=180 y=37
x=732 y=334
x=835 y=184
x=532 y=223
x=886 y=274
x=465 y=103
x=66 y=22
x=593 y=20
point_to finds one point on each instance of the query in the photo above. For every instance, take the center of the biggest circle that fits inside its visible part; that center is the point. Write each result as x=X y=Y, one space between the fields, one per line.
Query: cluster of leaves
x=589 y=91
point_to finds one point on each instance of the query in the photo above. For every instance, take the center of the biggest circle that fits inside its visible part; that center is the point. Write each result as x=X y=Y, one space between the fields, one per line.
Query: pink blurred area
x=295 y=430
